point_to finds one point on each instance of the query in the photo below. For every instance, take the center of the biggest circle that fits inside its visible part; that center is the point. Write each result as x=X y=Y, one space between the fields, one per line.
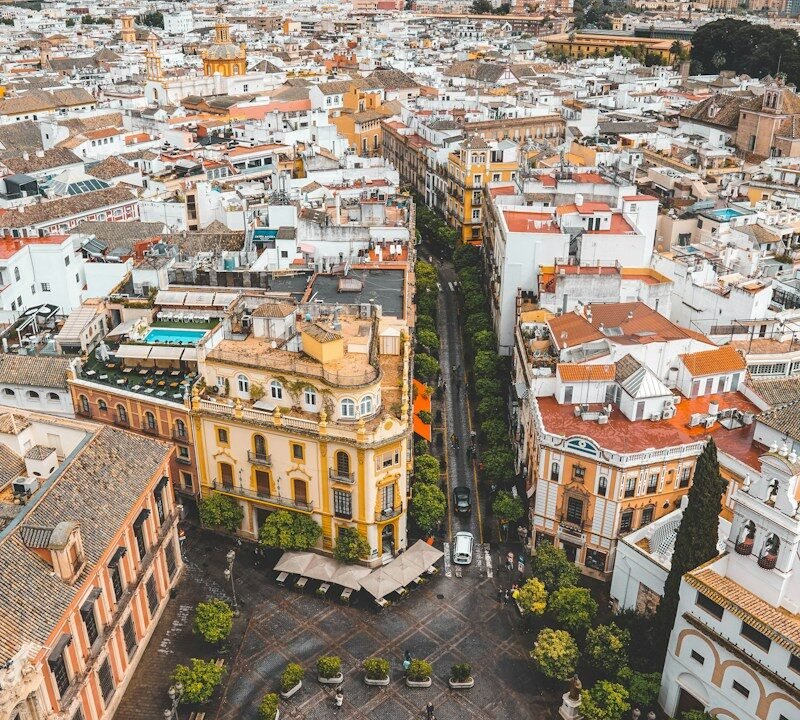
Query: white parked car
x=462 y=548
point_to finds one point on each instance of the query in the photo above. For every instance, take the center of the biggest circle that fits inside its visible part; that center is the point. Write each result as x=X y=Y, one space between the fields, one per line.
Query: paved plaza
x=449 y=620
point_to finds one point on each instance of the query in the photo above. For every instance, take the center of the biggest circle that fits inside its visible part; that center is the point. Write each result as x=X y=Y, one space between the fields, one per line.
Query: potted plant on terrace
x=329 y=670
x=376 y=671
x=268 y=710
x=291 y=680
x=419 y=674
x=461 y=677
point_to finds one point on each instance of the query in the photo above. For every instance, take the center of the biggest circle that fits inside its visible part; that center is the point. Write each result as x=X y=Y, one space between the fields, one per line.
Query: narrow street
x=457 y=424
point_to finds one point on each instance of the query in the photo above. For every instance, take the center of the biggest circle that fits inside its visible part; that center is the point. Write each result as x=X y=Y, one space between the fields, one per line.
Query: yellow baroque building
x=224 y=56
x=307 y=409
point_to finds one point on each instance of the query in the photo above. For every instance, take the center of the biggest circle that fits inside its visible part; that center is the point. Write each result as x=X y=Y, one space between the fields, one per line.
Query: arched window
x=310 y=398
x=260 y=446
x=9 y=392
x=122 y=414
x=276 y=390
x=746 y=539
x=243 y=384
x=150 y=421
x=365 y=408
x=54 y=397
x=180 y=428
x=348 y=408
x=83 y=404
x=102 y=405
x=16 y=273
x=33 y=395
x=342 y=464
x=554 y=471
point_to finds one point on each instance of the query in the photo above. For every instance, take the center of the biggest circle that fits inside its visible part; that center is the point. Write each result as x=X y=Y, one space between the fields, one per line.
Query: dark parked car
x=462 y=502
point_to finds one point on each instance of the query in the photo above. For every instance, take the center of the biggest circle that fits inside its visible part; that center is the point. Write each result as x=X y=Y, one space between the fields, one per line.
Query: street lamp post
x=175 y=693
x=231 y=556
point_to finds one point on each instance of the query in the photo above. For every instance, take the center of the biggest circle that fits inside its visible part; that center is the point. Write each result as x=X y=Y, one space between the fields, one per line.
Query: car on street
x=462 y=548
x=462 y=501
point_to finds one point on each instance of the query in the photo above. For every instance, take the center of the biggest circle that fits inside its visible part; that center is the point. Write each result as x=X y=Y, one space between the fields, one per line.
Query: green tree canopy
x=477 y=322
x=350 y=546
x=152 y=19
x=426 y=367
x=604 y=701
x=213 y=620
x=425 y=274
x=221 y=511
x=607 y=648
x=426 y=322
x=507 y=508
x=428 y=340
x=696 y=540
x=643 y=688
x=268 y=708
x=573 y=608
x=484 y=340
x=495 y=431
x=487 y=364
x=199 y=680
x=289 y=531
x=427 y=506
x=426 y=469
x=498 y=465
x=555 y=654
x=488 y=388
x=491 y=407
x=552 y=566
x=466 y=256
x=746 y=48
x=532 y=597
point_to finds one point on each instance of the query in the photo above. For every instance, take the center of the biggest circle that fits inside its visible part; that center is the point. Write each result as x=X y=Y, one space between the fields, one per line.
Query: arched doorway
x=387 y=540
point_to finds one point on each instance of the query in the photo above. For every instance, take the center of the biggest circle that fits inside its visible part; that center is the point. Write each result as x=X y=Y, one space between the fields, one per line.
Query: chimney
x=40 y=153
x=25 y=155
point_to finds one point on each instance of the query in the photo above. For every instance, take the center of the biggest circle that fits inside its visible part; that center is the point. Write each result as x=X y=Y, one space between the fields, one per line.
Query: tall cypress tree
x=696 y=542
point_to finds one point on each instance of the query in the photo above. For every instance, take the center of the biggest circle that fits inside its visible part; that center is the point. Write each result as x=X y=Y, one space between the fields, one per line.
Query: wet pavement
x=447 y=621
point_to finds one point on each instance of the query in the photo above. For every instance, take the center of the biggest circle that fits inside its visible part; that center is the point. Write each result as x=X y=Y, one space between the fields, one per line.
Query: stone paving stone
x=361 y=646
x=422 y=645
x=305 y=646
x=446 y=625
x=391 y=709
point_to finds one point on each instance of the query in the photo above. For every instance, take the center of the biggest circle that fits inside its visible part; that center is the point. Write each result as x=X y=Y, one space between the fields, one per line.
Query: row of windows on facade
x=629 y=487
x=149 y=419
x=63 y=673
x=747 y=631
x=347 y=406
x=32 y=395
x=575 y=508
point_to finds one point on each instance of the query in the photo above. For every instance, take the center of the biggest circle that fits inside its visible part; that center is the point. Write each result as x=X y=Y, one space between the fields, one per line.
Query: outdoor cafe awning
x=166 y=353
x=138 y=352
x=379 y=584
x=423 y=555
x=189 y=354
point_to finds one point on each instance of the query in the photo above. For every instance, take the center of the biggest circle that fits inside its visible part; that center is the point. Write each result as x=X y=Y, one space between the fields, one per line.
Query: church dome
x=227 y=51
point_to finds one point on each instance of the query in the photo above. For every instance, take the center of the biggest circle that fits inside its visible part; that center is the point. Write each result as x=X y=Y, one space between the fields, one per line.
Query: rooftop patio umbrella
x=294 y=563
x=379 y=584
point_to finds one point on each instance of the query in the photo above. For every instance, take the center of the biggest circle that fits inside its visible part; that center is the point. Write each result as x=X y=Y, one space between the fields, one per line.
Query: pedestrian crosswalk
x=481 y=561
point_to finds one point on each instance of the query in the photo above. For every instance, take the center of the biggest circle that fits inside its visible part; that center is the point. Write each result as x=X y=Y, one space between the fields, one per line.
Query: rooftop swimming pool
x=727 y=214
x=174 y=336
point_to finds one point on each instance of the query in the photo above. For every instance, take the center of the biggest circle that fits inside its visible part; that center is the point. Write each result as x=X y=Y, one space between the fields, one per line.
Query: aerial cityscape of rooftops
x=400 y=359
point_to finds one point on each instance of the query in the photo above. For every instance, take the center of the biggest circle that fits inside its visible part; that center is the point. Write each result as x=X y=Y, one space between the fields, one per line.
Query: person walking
x=406 y=661
x=429 y=711
x=339 y=699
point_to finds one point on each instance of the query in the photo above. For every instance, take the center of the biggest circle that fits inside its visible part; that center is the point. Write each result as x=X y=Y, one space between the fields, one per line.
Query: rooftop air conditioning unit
x=709 y=421
x=667 y=413
x=365 y=310
x=25 y=486
x=695 y=419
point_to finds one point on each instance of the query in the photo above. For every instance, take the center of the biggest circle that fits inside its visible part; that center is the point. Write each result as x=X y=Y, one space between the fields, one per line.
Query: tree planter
x=426 y=683
x=286 y=695
x=383 y=682
x=466 y=685
x=335 y=680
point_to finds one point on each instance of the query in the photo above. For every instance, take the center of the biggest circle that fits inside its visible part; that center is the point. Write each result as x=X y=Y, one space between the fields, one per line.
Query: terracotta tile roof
x=110 y=168
x=776 y=391
x=34 y=371
x=98 y=489
x=572 y=372
x=274 y=310
x=11 y=465
x=321 y=334
x=777 y=623
x=785 y=418
x=713 y=362
x=12 y=423
x=45 y=212
x=52 y=158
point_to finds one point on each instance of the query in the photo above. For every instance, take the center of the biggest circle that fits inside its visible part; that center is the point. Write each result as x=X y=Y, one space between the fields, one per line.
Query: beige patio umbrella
x=321 y=568
x=403 y=569
x=350 y=576
x=294 y=563
x=423 y=554
x=379 y=584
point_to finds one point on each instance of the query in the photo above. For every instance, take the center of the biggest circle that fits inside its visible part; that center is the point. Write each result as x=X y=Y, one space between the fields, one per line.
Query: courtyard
x=449 y=620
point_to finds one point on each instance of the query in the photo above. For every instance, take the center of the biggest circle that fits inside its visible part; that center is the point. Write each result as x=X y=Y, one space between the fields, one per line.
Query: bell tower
x=128 y=32
x=153 y=58
x=765 y=532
